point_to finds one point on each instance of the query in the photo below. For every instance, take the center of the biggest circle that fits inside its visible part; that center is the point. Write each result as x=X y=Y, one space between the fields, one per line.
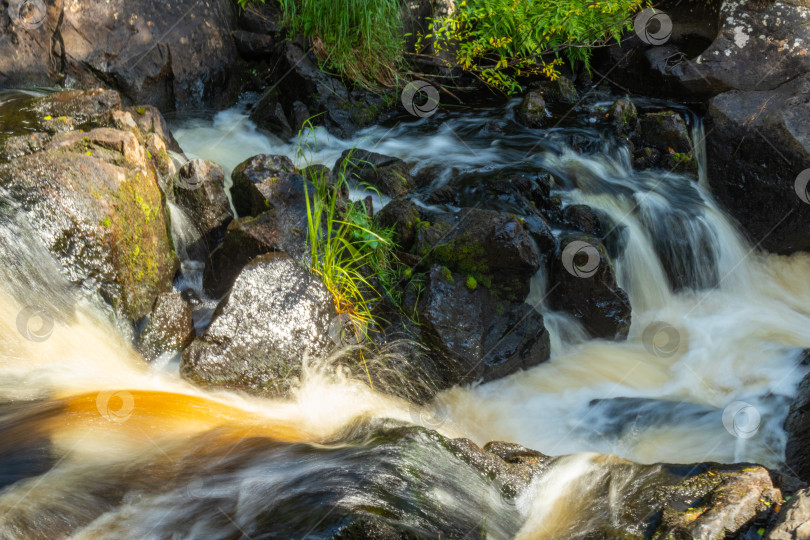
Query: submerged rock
x=94 y=199
x=275 y=315
x=170 y=327
x=479 y=336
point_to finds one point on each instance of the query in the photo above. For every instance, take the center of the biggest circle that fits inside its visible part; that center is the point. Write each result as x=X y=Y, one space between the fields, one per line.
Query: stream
x=707 y=373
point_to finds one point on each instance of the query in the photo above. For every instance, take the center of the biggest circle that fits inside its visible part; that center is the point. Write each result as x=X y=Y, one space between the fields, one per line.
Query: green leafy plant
x=244 y=3
x=502 y=40
x=360 y=39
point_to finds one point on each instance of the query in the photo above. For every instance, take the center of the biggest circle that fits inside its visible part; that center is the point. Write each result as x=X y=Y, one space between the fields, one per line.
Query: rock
x=95 y=201
x=583 y=284
x=199 y=189
x=262 y=18
x=254 y=46
x=582 y=218
x=758 y=143
x=178 y=55
x=492 y=247
x=560 y=90
x=326 y=98
x=532 y=110
x=665 y=130
x=793 y=522
x=403 y=215
x=391 y=176
x=275 y=316
x=246 y=238
x=749 y=33
x=624 y=115
x=149 y=120
x=170 y=327
x=797 y=426
x=480 y=337
x=263 y=181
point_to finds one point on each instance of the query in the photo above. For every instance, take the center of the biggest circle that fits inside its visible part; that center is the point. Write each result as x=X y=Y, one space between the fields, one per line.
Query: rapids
x=106 y=446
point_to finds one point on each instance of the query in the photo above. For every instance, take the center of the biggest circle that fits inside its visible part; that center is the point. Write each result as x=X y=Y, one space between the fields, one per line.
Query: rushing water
x=167 y=460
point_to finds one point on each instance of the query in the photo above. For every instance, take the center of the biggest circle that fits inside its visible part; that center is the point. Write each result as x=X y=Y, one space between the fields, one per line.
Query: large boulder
x=750 y=33
x=276 y=315
x=93 y=197
x=758 y=145
x=479 y=337
x=175 y=55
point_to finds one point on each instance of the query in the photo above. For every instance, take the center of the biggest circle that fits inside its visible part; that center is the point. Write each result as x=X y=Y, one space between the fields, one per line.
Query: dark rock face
x=302 y=91
x=480 y=337
x=583 y=284
x=388 y=174
x=758 y=146
x=94 y=198
x=170 y=327
x=199 y=189
x=276 y=314
x=174 y=55
x=797 y=426
x=794 y=519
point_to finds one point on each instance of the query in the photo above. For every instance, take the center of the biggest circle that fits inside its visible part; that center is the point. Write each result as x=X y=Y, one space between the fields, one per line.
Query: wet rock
x=665 y=130
x=170 y=327
x=199 y=189
x=532 y=110
x=388 y=174
x=797 y=426
x=560 y=90
x=275 y=316
x=492 y=247
x=95 y=200
x=624 y=115
x=757 y=145
x=248 y=237
x=583 y=284
x=479 y=336
x=793 y=522
x=264 y=181
x=582 y=218
x=403 y=215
